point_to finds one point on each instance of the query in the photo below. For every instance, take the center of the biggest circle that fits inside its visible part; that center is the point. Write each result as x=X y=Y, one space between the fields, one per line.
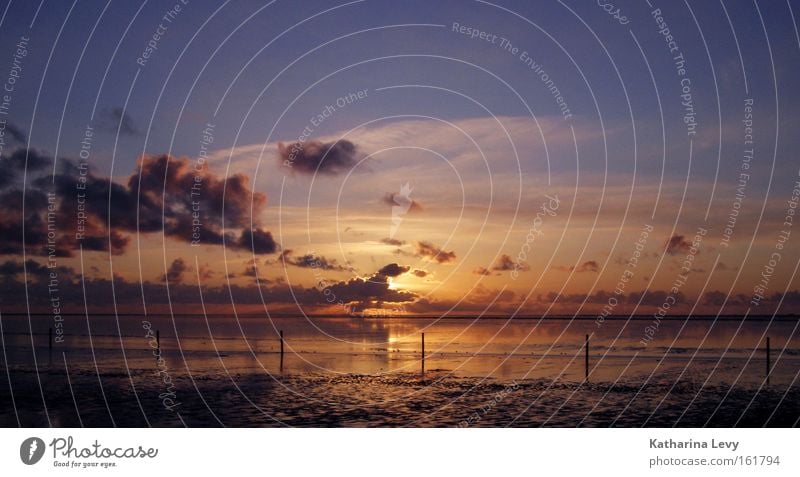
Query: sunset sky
x=363 y=157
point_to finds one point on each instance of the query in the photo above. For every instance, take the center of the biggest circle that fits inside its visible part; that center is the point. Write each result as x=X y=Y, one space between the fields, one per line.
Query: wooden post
x=769 y=365
x=586 y=360
x=423 y=352
x=158 y=341
x=281 y=364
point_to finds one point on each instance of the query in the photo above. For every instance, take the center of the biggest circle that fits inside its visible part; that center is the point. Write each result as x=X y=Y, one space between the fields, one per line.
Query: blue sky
x=245 y=45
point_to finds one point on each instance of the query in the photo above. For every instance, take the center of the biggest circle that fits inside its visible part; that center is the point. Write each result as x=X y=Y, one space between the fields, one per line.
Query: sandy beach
x=346 y=372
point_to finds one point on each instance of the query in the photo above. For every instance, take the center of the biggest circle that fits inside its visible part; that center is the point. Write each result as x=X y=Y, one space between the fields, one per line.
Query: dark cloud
x=649 y=298
x=477 y=301
x=19 y=161
x=10 y=268
x=166 y=194
x=257 y=241
x=789 y=301
x=31 y=267
x=175 y=271
x=599 y=297
x=372 y=291
x=206 y=272
x=432 y=252
x=419 y=273
x=115 y=242
x=482 y=271
x=250 y=268
x=112 y=119
x=26 y=224
x=310 y=260
x=677 y=244
x=358 y=293
x=393 y=270
x=722 y=267
x=654 y=297
x=505 y=263
x=393 y=242
x=718 y=299
x=316 y=157
x=587 y=266
x=12 y=136
x=33 y=271
x=396 y=199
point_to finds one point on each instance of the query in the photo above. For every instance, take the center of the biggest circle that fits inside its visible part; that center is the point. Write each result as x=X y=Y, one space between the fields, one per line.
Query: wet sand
x=347 y=372
x=389 y=400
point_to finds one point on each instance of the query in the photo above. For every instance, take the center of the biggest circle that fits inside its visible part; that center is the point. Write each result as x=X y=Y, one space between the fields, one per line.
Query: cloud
x=371 y=292
x=166 y=194
x=250 y=268
x=483 y=295
x=206 y=272
x=430 y=251
x=397 y=199
x=653 y=298
x=505 y=263
x=12 y=136
x=310 y=260
x=587 y=266
x=357 y=293
x=111 y=119
x=392 y=241
x=393 y=270
x=375 y=289
x=313 y=157
x=34 y=271
x=722 y=267
x=175 y=271
x=474 y=302
x=17 y=162
x=10 y=268
x=31 y=267
x=258 y=241
x=419 y=273
x=718 y=298
x=677 y=245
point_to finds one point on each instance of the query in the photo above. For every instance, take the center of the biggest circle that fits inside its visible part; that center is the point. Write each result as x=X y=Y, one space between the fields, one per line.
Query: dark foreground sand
x=321 y=400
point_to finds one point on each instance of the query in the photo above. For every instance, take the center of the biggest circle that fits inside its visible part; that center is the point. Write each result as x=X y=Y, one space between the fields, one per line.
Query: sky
x=391 y=158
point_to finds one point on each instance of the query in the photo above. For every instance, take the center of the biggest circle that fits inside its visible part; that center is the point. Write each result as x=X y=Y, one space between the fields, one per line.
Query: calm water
x=333 y=367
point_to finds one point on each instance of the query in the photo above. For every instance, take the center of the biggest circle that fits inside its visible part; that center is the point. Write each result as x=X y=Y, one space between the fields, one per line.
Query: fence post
x=769 y=364
x=423 y=352
x=281 y=364
x=586 y=359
